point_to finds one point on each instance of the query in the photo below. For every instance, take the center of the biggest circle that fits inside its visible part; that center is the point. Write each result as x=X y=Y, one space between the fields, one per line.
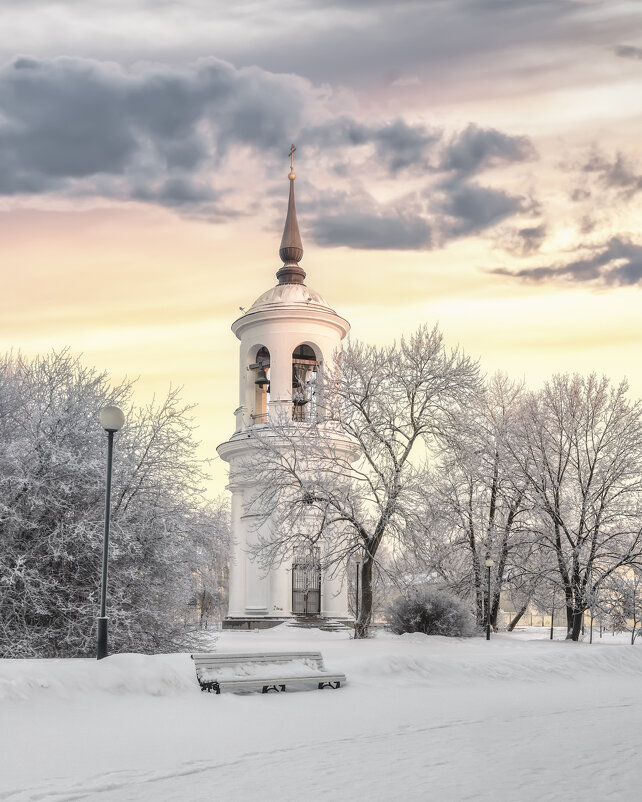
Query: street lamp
x=357 y=561
x=111 y=419
x=489 y=565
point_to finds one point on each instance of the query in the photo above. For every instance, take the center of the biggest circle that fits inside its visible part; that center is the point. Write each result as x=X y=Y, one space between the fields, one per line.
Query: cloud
x=354 y=43
x=446 y=210
x=628 y=51
x=357 y=220
x=468 y=208
x=161 y=134
x=618 y=174
x=400 y=145
x=617 y=263
x=397 y=144
x=523 y=241
x=475 y=149
x=74 y=125
x=531 y=238
x=381 y=229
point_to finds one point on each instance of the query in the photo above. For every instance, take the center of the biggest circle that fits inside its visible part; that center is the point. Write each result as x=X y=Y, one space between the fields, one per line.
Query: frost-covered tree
x=211 y=572
x=580 y=450
x=478 y=500
x=621 y=601
x=390 y=403
x=52 y=466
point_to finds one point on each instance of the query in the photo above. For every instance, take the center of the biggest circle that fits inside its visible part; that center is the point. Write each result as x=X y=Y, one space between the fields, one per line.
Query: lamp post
x=111 y=419
x=357 y=561
x=489 y=565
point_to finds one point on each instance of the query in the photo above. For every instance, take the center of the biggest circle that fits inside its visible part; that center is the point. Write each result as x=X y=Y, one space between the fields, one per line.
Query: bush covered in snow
x=435 y=611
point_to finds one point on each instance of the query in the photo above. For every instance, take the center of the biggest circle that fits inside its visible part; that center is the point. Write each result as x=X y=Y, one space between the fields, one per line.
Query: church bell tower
x=288 y=336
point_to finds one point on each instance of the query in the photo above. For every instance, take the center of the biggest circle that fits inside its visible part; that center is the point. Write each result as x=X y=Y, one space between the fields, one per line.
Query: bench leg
x=334 y=685
x=277 y=688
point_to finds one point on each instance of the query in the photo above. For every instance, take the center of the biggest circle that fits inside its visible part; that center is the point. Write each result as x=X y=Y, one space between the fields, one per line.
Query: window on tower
x=305 y=371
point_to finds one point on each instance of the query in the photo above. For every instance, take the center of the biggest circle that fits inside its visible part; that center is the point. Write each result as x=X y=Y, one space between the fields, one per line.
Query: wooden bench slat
x=263 y=657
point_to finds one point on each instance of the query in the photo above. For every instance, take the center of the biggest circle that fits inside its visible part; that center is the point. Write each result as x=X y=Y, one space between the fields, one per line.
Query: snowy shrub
x=434 y=611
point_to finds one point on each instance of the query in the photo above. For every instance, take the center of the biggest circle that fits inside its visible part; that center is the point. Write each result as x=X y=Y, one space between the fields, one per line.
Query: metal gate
x=306 y=583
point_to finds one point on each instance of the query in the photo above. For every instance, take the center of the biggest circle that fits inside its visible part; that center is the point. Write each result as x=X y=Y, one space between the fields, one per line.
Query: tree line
x=455 y=471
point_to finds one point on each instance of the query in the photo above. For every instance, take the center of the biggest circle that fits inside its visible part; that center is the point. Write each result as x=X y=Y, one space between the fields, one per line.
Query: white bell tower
x=287 y=337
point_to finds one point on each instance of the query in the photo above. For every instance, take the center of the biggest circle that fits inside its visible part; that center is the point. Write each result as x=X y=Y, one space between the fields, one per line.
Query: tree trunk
x=362 y=624
x=569 y=622
x=576 y=626
x=515 y=619
x=494 y=610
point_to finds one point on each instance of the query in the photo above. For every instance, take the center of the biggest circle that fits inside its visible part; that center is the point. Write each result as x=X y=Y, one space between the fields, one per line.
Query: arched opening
x=305 y=372
x=261 y=372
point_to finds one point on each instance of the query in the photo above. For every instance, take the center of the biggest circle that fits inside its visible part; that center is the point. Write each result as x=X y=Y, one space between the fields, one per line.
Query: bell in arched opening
x=261 y=377
x=262 y=385
x=304 y=374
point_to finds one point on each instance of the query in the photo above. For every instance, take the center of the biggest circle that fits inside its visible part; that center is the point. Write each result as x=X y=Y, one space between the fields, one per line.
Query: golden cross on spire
x=292 y=149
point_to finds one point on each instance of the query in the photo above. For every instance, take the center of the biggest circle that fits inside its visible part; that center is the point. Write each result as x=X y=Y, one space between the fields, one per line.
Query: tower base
x=262 y=622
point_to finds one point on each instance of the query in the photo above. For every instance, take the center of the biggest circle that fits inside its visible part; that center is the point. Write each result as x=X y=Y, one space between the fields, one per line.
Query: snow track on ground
x=379 y=764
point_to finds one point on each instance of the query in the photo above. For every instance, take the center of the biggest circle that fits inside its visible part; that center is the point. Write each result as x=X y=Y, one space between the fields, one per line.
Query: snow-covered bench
x=267 y=671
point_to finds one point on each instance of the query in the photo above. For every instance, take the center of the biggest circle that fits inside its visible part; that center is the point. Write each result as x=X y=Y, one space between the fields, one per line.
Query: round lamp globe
x=111 y=418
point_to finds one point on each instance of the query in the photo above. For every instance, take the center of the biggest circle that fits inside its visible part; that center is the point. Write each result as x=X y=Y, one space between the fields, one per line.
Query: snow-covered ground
x=515 y=719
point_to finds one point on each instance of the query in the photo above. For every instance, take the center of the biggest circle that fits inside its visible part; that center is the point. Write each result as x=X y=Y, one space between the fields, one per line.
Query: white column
x=334 y=594
x=236 y=601
x=257 y=581
x=282 y=590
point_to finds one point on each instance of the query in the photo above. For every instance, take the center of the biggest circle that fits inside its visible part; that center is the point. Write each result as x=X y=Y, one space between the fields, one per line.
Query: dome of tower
x=290 y=295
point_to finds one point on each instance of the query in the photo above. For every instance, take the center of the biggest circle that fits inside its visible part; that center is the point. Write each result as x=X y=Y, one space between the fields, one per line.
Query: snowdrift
x=386 y=659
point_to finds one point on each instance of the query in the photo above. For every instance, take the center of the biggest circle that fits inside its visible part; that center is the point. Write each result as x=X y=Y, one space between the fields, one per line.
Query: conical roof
x=291 y=250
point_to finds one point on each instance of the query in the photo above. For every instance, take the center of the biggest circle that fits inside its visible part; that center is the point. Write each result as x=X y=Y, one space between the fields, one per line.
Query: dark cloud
x=446 y=47
x=178 y=193
x=402 y=145
x=531 y=238
x=159 y=134
x=72 y=124
x=469 y=208
x=397 y=144
x=618 y=174
x=447 y=210
x=628 y=51
x=475 y=149
x=618 y=263
x=372 y=230
x=357 y=220
x=523 y=241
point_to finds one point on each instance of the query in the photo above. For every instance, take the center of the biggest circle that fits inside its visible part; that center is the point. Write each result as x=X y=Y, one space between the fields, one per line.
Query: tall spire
x=291 y=250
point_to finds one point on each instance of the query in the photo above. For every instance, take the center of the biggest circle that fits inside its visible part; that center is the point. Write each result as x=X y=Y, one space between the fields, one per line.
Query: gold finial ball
x=292 y=176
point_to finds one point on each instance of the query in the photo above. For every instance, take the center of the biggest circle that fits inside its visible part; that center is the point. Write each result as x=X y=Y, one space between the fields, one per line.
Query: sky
x=475 y=164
